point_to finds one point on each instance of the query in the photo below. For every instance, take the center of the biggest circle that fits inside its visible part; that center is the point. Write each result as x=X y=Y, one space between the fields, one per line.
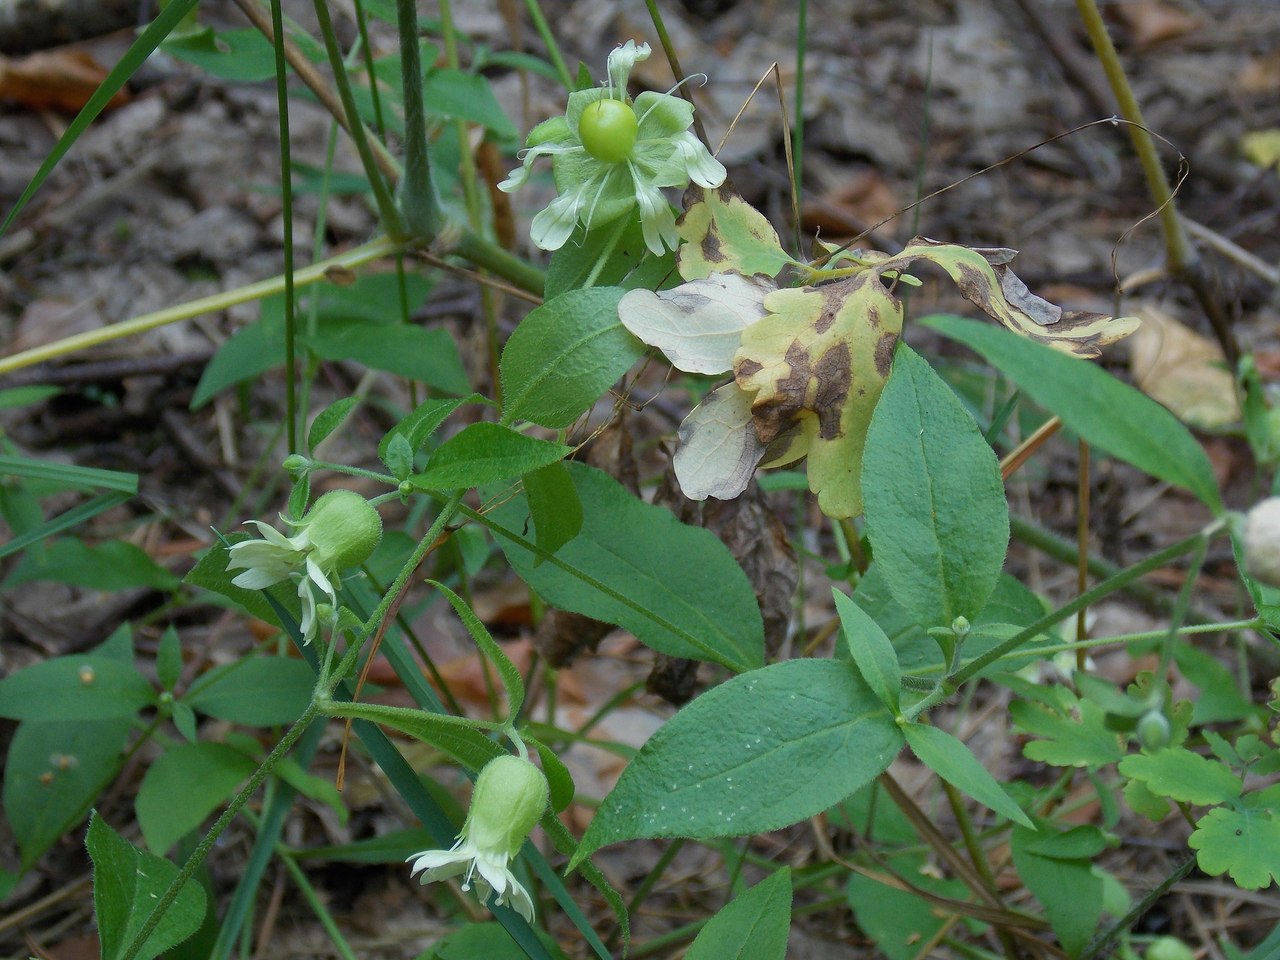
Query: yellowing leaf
x=1262 y=147
x=986 y=281
x=819 y=361
x=722 y=233
x=1184 y=371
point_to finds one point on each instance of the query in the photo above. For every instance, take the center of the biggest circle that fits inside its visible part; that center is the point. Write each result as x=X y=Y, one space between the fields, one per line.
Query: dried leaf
x=1184 y=371
x=719 y=448
x=819 y=362
x=698 y=324
x=54 y=80
x=1153 y=22
x=723 y=233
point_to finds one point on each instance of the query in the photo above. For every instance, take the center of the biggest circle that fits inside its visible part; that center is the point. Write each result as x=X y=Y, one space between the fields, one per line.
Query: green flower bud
x=296 y=465
x=1154 y=731
x=1169 y=948
x=344 y=528
x=509 y=799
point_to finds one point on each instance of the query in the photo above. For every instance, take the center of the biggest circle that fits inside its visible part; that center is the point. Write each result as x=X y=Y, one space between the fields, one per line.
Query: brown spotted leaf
x=723 y=233
x=818 y=363
x=984 y=277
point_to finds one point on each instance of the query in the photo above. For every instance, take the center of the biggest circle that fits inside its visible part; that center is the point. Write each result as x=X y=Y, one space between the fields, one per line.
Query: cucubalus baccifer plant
x=812 y=365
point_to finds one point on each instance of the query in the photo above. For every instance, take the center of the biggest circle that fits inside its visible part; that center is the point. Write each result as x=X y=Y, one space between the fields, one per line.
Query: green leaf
x=465 y=96
x=255 y=691
x=328 y=420
x=899 y=921
x=752 y=926
x=126 y=884
x=169 y=658
x=425 y=419
x=627 y=264
x=559 y=779
x=52 y=773
x=69 y=475
x=554 y=507
x=1243 y=843
x=25 y=396
x=486 y=453
x=237 y=55
x=86 y=687
x=512 y=682
x=952 y=760
x=713 y=769
x=1110 y=415
x=429 y=355
x=456 y=736
x=676 y=587
x=934 y=500
x=1183 y=776
x=1068 y=888
x=184 y=785
x=113 y=565
x=1083 y=742
x=250 y=351
x=871 y=650
x=564 y=355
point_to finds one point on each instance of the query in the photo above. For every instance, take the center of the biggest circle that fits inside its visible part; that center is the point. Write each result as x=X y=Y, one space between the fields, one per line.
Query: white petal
x=657 y=222
x=258 y=578
x=719 y=448
x=704 y=169
x=554 y=225
x=621 y=60
x=308 y=624
x=441 y=864
x=699 y=324
x=520 y=900
x=316 y=576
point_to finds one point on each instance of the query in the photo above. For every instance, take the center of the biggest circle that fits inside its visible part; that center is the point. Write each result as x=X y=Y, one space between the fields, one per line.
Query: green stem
x=411 y=565
x=209 y=839
x=317 y=272
x=286 y=204
x=606 y=253
x=549 y=41
x=417 y=197
x=1107 y=587
x=672 y=58
x=485 y=253
x=390 y=216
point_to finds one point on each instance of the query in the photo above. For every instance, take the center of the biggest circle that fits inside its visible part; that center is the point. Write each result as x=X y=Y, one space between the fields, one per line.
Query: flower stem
x=286 y=209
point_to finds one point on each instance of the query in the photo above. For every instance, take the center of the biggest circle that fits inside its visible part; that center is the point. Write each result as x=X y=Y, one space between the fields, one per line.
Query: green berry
x=608 y=130
x=509 y=799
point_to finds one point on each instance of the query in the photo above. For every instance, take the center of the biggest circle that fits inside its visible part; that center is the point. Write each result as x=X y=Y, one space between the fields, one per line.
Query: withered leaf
x=723 y=233
x=719 y=448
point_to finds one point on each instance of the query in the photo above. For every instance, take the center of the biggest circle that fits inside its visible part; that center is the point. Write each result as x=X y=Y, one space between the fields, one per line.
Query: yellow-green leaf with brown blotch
x=818 y=362
x=723 y=233
x=984 y=277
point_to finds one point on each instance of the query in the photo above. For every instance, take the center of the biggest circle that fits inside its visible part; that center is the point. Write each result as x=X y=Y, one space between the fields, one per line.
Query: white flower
x=340 y=530
x=611 y=155
x=509 y=798
x=1261 y=542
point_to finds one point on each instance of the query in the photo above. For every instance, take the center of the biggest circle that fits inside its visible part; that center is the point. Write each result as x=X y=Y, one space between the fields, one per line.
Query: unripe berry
x=510 y=797
x=1169 y=948
x=608 y=130
x=1154 y=731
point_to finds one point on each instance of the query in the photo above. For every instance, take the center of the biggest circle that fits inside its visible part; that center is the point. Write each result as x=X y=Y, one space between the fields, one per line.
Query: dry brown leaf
x=1260 y=75
x=54 y=80
x=862 y=201
x=1153 y=22
x=1184 y=371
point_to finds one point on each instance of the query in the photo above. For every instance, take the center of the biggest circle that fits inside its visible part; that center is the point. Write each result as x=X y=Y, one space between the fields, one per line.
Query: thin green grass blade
x=64 y=521
x=88 y=477
x=134 y=57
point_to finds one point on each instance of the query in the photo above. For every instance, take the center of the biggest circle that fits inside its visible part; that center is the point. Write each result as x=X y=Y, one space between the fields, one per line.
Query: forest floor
x=998 y=104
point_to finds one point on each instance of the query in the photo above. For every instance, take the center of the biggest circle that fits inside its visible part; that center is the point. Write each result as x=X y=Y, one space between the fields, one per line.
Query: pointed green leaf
x=512 y=682
x=1110 y=415
x=486 y=453
x=87 y=687
x=950 y=759
x=713 y=769
x=872 y=651
x=554 y=507
x=564 y=356
x=752 y=926
x=1069 y=890
x=935 y=506
x=328 y=420
x=127 y=882
x=184 y=785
